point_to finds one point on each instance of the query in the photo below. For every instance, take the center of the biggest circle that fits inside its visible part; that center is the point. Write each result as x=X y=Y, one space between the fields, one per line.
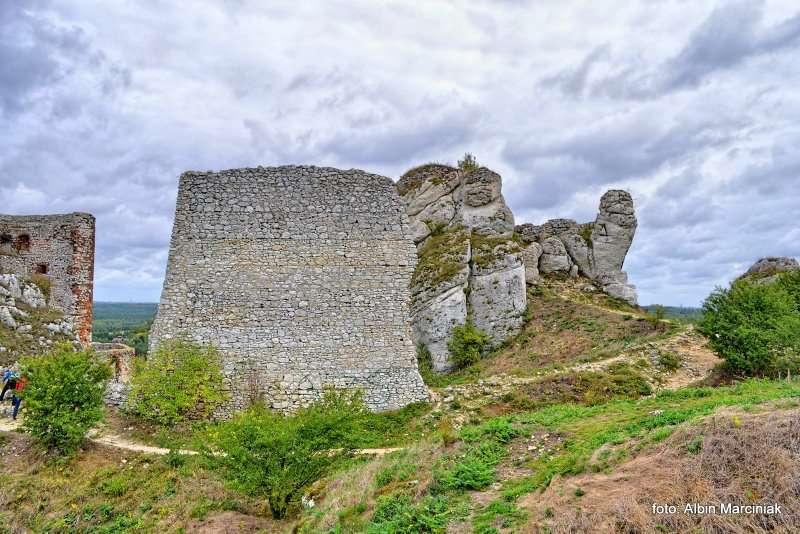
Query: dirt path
x=118 y=442
x=697 y=359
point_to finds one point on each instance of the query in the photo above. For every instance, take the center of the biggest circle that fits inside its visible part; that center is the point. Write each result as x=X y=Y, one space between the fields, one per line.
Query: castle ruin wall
x=300 y=276
x=59 y=248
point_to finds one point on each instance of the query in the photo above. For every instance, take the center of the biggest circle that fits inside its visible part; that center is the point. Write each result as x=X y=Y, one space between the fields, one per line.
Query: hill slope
x=594 y=403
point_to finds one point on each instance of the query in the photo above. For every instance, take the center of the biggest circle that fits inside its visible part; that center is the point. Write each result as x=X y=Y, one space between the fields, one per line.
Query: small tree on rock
x=468 y=163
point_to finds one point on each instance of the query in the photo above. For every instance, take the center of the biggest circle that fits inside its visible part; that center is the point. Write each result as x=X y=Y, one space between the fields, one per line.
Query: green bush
x=279 y=456
x=473 y=470
x=669 y=360
x=466 y=345
x=755 y=328
x=617 y=381
x=181 y=381
x=63 y=398
x=468 y=163
x=425 y=364
x=397 y=514
x=498 y=429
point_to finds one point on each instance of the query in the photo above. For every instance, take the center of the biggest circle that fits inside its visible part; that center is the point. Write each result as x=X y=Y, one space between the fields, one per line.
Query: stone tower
x=60 y=250
x=300 y=276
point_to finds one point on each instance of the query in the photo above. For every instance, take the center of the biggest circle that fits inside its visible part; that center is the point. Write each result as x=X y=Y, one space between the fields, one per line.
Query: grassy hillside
x=576 y=425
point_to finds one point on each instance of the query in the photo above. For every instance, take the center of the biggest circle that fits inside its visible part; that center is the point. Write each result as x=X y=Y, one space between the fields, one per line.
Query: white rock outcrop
x=595 y=250
x=470 y=267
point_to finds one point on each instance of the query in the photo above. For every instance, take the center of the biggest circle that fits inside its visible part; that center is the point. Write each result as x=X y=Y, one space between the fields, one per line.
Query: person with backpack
x=16 y=397
x=9 y=382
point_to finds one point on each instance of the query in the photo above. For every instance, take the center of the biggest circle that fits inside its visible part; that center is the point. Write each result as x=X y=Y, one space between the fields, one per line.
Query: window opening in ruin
x=23 y=242
x=6 y=245
x=41 y=268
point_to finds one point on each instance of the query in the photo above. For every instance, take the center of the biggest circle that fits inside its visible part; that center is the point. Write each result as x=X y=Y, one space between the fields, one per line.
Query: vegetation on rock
x=442 y=257
x=468 y=163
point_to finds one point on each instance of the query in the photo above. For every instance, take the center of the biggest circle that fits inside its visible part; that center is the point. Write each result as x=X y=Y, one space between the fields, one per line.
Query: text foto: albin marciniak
x=724 y=508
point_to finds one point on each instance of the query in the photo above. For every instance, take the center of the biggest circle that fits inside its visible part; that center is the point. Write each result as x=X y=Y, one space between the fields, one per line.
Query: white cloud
x=689 y=105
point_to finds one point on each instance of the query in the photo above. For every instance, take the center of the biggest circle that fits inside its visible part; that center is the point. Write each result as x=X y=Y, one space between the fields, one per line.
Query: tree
x=278 y=456
x=180 y=381
x=63 y=396
x=469 y=163
x=755 y=327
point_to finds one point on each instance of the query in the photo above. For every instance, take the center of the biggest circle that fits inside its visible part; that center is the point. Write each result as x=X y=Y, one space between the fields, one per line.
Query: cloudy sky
x=691 y=105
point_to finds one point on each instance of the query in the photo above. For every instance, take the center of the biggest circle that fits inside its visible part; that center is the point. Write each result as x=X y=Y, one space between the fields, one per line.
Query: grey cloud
x=96 y=121
x=728 y=37
x=575 y=81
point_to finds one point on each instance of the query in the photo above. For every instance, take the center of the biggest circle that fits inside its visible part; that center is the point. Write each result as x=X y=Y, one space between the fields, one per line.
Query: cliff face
x=474 y=263
x=470 y=261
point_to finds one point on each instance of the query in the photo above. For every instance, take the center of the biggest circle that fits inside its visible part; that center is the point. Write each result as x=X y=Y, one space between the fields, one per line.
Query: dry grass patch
x=563 y=331
x=732 y=457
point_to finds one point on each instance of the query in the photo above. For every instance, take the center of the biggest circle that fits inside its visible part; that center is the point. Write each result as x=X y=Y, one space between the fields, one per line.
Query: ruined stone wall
x=59 y=249
x=300 y=276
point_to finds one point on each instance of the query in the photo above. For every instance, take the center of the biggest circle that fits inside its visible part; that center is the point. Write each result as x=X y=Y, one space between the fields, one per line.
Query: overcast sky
x=693 y=106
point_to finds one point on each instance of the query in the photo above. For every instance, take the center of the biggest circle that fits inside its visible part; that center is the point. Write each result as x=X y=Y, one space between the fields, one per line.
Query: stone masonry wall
x=60 y=248
x=300 y=276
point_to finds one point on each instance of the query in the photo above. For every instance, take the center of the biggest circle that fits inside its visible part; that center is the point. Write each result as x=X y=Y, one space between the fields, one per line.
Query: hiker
x=16 y=398
x=10 y=382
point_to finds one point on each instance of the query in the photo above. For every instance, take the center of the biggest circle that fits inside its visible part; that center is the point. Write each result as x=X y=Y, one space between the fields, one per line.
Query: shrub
x=180 y=381
x=279 y=456
x=755 y=328
x=425 y=364
x=669 y=360
x=474 y=470
x=467 y=345
x=617 y=381
x=468 y=163
x=63 y=398
x=498 y=429
x=397 y=514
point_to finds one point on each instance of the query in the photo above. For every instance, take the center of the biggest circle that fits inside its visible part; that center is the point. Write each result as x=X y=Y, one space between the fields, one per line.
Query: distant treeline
x=127 y=320
x=680 y=313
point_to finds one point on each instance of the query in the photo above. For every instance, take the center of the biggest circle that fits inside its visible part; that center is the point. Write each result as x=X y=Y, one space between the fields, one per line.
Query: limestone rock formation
x=771 y=265
x=27 y=325
x=766 y=270
x=471 y=264
x=595 y=250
